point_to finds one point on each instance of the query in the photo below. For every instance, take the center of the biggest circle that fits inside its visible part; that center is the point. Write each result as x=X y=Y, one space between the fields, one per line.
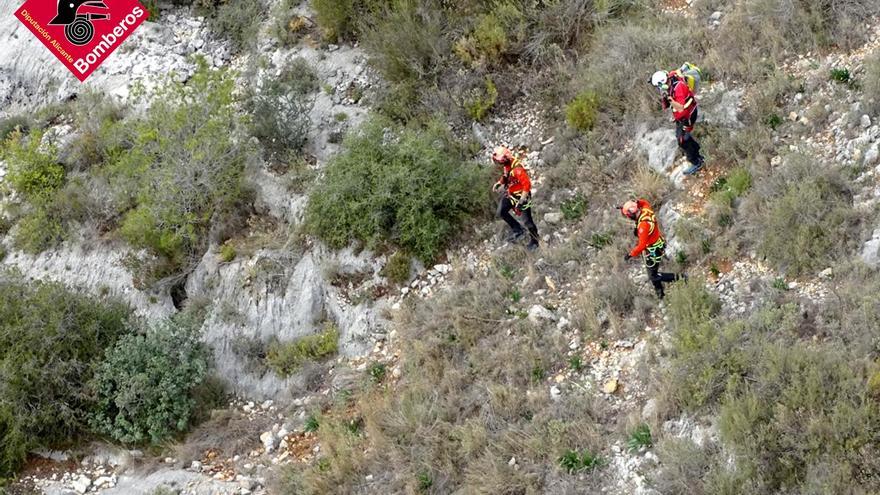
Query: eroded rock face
x=98 y=269
x=659 y=148
x=31 y=77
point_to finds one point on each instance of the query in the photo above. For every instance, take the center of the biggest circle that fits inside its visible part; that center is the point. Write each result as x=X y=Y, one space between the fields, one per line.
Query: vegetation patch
x=285 y=358
x=389 y=184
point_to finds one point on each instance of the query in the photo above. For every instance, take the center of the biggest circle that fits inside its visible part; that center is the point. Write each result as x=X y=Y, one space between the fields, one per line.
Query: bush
x=184 y=168
x=238 y=21
x=33 y=172
x=581 y=112
x=871 y=83
x=491 y=37
x=227 y=253
x=279 y=109
x=801 y=216
x=406 y=42
x=336 y=18
x=841 y=75
x=410 y=187
x=285 y=358
x=51 y=339
x=397 y=269
x=770 y=30
x=15 y=123
x=145 y=386
x=287 y=26
x=480 y=102
x=37 y=231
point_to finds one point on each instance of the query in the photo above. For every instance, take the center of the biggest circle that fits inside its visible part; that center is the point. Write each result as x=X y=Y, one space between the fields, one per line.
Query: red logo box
x=82 y=33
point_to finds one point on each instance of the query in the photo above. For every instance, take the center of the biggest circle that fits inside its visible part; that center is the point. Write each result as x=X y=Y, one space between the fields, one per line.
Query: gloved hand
x=636 y=231
x=523 y=201
x=626 y=257
x=664 y=102
x=517 y=212
x=497 y=187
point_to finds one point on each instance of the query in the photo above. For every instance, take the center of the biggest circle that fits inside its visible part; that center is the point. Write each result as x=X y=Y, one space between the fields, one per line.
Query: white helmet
x=658 y=80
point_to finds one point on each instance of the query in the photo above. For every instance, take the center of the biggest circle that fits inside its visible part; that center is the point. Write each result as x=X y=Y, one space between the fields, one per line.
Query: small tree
x=145 y=385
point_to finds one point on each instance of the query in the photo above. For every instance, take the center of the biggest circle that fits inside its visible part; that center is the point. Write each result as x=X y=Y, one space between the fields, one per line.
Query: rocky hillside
x=271 y=230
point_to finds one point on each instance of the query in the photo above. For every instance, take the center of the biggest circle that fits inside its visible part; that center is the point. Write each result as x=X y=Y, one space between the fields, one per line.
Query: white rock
x=555 y=393
x=538 y=313
x=512 y=461
x=715 y=16
x=105 y=482
x=865 y=121
x=553 y=218
x=196 y=466
x=871 y=154
x=268 y=441
x=266 y=405
x=82 y=483
x=826 y=273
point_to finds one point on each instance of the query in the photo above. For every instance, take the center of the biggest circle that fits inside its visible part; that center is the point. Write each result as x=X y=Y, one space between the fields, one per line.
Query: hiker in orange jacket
x=651 y=244
x=517 y=188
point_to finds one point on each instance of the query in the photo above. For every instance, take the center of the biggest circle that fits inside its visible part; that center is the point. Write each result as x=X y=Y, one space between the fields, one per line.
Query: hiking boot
x=533 y=245
x=515 y=236
x=693 y=169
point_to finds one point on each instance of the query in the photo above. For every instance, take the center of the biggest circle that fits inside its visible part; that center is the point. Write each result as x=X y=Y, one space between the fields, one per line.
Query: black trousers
x=686 y=141
x=653 y=257
x=504 y=212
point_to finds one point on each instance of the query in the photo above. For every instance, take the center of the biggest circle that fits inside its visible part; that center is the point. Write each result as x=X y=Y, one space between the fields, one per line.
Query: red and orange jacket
x=682 y=99
x=516 y=180
x=648 y=229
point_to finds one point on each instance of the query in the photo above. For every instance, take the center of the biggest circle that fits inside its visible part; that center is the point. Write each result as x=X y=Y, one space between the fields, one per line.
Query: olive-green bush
x=285 y=358
x=800 y=217
x=279 y=109
x=51 y=340
x=145 y=385
x=410 y=187
x=184 y=168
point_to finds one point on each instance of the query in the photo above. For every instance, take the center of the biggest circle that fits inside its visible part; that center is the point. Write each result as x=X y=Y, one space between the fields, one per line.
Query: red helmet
x=630 y=210
x=502 y=155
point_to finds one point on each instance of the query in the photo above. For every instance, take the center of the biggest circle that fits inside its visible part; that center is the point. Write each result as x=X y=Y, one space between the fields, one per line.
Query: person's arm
x=522 y=178
x=644 y=230
x=682 y=98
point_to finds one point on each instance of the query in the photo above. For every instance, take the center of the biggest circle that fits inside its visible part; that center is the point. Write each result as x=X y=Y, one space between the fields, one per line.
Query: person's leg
x=504 y=208
x=530 y=226
x=654 y=277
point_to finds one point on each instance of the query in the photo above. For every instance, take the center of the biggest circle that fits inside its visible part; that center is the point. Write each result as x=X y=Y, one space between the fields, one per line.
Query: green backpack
x=691 y=74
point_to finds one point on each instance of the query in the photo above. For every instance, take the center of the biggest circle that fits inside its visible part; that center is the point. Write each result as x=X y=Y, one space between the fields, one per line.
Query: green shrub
x=581 y=113
x=801 y=216
x=397 y=269
x=99 y=134
x=574 y=208
x=406 y=42
x=37 y=231
x=288 y=27
x=279 y=109
x=480 y=102
x=407 y=186
x=145 y=386
x=336 y=18
x=870 y=83
x=691 y=305
x=227 y=253
x=841 y=75
x=285 y=358
x=491 y=37
x=802 y=420
x=14 y=123
x=184 y=168
x=311 y=424
x=34 y=173
x=377 y=372
x=640 y=437
x=51 y=339
x=573 y=461
x=238 y=21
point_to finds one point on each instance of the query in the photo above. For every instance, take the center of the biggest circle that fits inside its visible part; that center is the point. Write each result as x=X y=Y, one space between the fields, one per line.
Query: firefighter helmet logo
x=78 y=28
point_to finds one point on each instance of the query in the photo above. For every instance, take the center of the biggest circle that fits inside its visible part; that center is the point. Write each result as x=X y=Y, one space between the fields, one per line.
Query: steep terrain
x=488 y=368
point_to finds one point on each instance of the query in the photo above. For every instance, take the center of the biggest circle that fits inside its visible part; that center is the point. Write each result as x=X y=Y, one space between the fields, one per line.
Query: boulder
x=659 y=147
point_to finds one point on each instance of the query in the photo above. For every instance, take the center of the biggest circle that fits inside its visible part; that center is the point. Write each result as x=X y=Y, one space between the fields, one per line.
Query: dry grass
x=474 y=393
x=227 y=431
